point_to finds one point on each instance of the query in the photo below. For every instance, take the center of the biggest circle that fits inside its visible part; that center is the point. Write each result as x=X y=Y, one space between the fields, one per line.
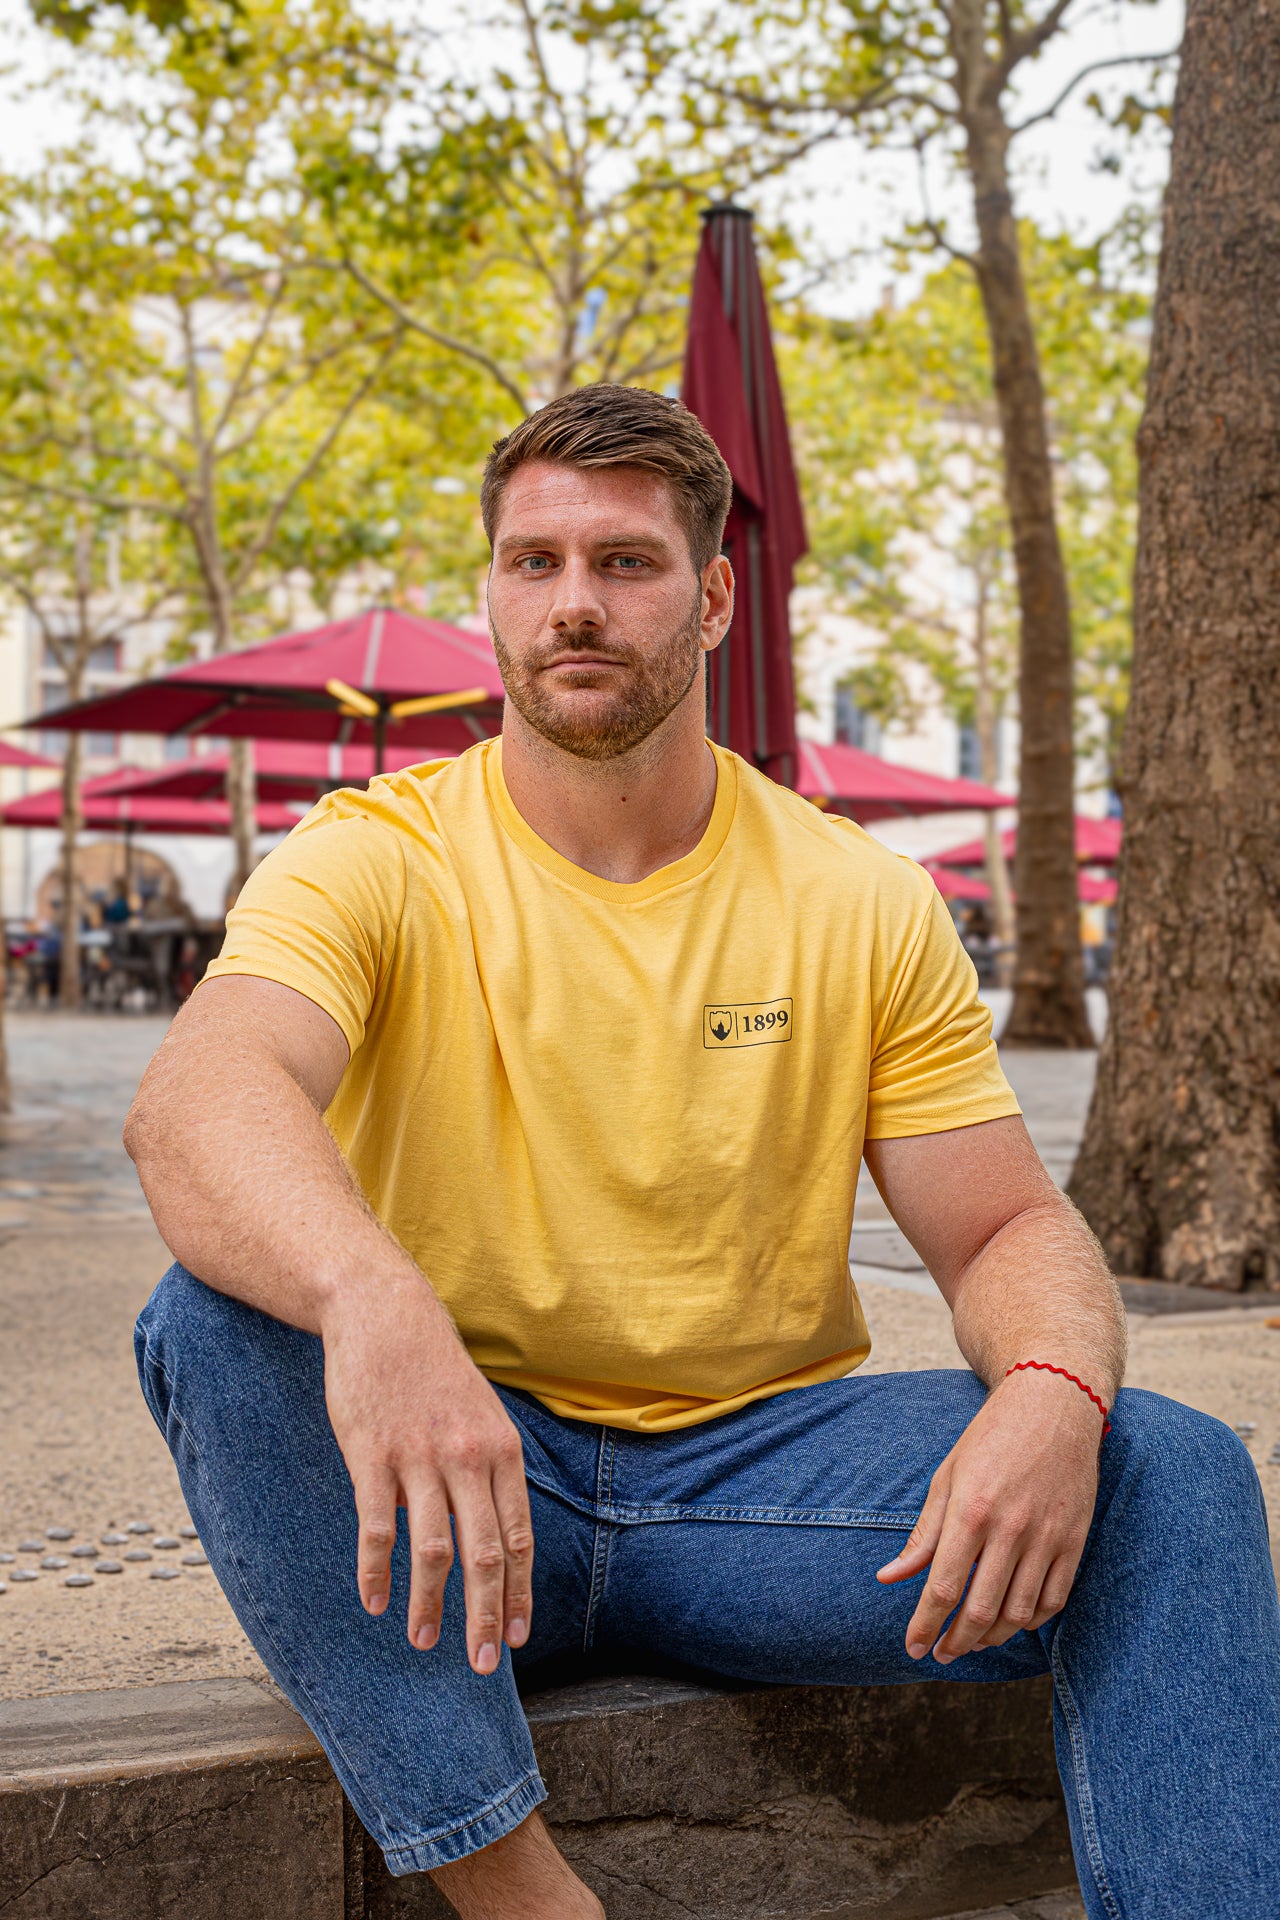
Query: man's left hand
x=1012 y=1504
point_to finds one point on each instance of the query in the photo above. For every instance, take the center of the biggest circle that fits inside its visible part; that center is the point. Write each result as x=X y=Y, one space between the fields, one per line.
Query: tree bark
x=1048 y=1004
x=72 y=822
x=986 y=725
x=6 y=1086
x=1179 y=1173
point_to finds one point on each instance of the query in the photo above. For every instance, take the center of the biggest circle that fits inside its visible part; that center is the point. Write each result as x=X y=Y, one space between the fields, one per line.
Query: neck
x=620 y=819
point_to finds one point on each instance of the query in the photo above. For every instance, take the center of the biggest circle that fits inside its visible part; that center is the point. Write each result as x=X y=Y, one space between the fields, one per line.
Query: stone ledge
x=212 y=1801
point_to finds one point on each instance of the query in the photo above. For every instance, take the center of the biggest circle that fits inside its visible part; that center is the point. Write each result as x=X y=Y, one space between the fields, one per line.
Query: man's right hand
x=420 y=1427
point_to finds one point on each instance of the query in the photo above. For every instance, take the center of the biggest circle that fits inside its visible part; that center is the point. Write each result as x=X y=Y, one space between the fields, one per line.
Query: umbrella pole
x=379 y=742
x=128 y=859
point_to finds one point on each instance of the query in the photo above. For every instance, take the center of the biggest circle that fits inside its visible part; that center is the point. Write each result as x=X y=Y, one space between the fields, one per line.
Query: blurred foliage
x=329 y=252
x=897 y=440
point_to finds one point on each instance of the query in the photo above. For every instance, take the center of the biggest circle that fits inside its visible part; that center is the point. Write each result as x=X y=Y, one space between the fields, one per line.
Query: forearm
x=1040 y=1290
x=249 y=1190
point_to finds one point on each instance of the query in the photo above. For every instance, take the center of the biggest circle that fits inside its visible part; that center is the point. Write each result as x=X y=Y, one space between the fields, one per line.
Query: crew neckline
x=624 y=892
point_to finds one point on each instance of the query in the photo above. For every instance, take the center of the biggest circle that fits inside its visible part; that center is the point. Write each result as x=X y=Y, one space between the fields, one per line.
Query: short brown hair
x=613 y=426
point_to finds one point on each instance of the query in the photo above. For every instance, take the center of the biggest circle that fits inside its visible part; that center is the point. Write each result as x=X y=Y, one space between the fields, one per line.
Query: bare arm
x=250 y=1192
x=1025 y=1280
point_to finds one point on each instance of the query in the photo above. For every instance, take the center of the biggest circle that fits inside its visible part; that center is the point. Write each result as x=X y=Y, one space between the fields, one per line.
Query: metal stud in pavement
x=3 y=1588
x=59 y=1533
x=139 y=1553
x=31 y=1546
x=195 y=1559
x=113 y=1539
x=109 y=1566
x=139 y=1526
x=78 y=1580
x=165 y=1573
x=6 y=1559
x=24 y=1573
x=167 y=1540
x=85 y=1552
x=189 y=1533
x=54 y=1562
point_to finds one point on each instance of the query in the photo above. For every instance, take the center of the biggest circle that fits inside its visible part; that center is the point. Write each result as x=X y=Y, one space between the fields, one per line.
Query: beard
x=610 y=722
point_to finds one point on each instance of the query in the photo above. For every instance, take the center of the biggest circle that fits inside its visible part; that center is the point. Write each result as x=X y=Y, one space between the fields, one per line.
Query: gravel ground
x=78 y=1257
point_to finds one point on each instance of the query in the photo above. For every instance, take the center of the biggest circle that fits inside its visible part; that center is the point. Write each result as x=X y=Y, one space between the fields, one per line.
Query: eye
x=535 y=563
x=628 y=562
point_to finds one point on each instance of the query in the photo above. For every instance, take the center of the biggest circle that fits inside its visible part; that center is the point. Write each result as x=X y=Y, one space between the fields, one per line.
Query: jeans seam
x=285 y=1664
x=1083 y=1790
x=472 y=1820
x=850 y=1517
x=603 y=1534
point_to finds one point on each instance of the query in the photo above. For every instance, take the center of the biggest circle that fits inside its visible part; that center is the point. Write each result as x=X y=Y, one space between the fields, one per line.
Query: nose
x=577 y=601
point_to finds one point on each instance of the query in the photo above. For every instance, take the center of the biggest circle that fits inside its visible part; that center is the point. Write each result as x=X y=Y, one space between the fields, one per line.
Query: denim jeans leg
x=749 y=1546
x=436 y=1759
x=1166 y=1665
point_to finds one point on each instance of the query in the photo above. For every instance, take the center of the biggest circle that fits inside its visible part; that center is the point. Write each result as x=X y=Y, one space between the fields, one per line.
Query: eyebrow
x=653 y=542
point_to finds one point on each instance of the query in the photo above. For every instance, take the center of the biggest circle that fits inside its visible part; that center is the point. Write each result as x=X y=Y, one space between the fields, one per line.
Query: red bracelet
x=1043 y=1366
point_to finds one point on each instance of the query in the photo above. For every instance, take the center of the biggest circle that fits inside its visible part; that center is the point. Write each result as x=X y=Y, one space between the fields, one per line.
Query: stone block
x=671 y=1797
x=204 y=1800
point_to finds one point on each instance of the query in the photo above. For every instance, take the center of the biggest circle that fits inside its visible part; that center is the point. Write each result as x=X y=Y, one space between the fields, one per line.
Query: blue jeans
x=748 y=1546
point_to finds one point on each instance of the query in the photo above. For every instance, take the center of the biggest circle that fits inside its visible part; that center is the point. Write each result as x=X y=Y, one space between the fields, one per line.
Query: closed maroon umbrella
x=731 y=383
x=377 y=679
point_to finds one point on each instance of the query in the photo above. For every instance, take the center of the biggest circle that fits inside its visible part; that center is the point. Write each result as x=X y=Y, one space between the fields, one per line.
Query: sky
x=853 y=201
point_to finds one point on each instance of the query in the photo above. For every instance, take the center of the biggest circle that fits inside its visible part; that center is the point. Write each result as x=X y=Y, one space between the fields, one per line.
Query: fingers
x=431 y=1556
x=511 y=1503
x=923 y=1539
x=1036 y=1592
x=957 y=1549
x=375 y=1491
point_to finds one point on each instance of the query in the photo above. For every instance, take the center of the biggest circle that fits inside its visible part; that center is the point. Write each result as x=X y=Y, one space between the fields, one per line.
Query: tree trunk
x=1179 y=1173
x=6 y=1088
x=242 y=797
x=1048 y=1004
x=72 y=822
x=986 y=726
x=241 y=783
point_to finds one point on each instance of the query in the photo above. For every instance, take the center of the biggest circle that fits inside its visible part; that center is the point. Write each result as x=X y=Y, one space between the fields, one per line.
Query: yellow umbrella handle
x=354 y=704
x=437 y=702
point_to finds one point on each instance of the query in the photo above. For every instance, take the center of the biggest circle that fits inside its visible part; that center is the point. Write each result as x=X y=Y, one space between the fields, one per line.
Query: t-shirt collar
x=624 y=892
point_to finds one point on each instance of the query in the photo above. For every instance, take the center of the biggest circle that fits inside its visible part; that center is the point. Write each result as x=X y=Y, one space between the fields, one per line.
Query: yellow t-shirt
x=619 y=1126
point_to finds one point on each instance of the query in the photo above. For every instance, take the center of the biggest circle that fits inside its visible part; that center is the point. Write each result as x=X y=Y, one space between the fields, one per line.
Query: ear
x=717 y=602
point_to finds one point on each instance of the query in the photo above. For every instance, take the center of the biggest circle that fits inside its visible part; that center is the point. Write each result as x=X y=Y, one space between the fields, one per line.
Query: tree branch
x=1021 y=46
x=447 y=342
x=309 y=467
x=1095 y=66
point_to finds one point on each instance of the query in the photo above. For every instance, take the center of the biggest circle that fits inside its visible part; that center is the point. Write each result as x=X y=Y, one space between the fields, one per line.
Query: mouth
x=571 y=661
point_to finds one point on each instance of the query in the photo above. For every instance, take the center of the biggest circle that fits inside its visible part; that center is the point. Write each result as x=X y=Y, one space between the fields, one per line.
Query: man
x=601 y=1023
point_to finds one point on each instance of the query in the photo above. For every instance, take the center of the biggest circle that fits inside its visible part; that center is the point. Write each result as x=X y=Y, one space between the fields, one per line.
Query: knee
x=1190 y=1470
x=184 y=1321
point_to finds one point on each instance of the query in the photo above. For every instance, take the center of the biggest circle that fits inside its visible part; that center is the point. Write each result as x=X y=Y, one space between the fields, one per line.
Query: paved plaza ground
x=78 y=1256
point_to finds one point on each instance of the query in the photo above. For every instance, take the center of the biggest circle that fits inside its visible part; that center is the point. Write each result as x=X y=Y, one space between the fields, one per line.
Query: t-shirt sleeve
x=933 y=1061
x=320 y=914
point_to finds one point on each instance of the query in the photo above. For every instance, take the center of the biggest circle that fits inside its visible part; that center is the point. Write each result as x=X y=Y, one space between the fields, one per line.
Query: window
x=854 y=726
x=968 y=753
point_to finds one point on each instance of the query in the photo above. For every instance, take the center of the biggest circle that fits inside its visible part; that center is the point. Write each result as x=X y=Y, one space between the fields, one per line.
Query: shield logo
x=721 y=1023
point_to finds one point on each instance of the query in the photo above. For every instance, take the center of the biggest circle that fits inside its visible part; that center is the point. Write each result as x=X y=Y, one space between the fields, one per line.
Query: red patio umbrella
x=1097 y=845
x=377 y=677
x=865 y=787
x=19 y=757
x=966 y=886
x=731 y=383
x=142 y=813
x=284 y=769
